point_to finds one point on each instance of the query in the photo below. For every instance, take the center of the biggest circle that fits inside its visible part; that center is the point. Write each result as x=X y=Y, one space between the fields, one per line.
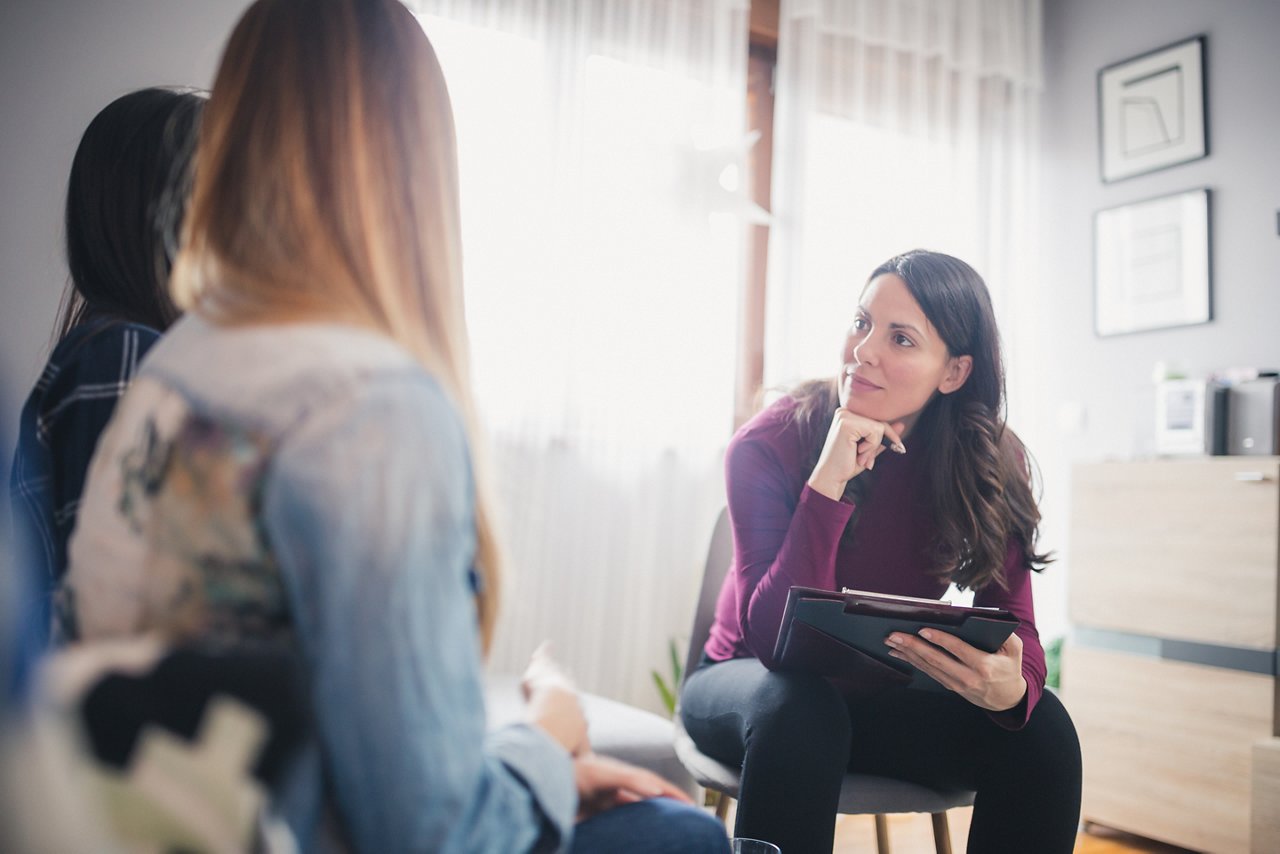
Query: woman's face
x=894 y=359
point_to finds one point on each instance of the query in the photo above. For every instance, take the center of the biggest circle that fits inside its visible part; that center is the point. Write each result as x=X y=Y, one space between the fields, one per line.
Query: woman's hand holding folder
x=990 y=680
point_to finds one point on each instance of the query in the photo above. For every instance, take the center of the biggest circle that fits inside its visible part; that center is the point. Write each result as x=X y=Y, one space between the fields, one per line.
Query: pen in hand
x=892 y=445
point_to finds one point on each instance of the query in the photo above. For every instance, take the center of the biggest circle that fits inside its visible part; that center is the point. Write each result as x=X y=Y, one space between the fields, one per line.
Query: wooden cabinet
x=1170 y=675
x=1266 y=796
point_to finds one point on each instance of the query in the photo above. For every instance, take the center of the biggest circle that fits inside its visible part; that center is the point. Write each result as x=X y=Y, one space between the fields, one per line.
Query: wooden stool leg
x=941 y=833
x=882 y=834
x=722 y=806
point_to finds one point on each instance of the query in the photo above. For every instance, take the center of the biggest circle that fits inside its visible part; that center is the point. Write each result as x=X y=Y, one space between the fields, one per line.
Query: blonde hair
x=327 y=188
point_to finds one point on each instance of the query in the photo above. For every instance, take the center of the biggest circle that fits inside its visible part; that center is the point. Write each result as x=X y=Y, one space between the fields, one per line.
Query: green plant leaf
x=668 y=698
x=1053 y=663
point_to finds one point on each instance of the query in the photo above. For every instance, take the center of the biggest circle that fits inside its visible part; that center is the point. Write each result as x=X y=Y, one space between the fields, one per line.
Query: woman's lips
x=858 y=383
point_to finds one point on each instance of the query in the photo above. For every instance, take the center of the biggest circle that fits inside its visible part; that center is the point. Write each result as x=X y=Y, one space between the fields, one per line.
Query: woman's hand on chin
x=852 y=445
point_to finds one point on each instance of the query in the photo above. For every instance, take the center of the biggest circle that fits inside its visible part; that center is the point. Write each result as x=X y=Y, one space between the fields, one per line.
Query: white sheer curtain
x=899 y=124
x=600 y=143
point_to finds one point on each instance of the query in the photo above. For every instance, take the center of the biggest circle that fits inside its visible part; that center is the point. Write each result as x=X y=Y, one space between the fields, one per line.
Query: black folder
x=841 y=635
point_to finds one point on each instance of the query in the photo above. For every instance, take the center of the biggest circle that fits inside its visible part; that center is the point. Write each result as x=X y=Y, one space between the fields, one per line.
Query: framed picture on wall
x=1152 y=110
x=1151 y=264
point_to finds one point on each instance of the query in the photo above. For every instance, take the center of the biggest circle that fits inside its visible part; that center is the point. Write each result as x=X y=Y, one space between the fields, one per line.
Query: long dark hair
x=978 y=474
x=125 y=199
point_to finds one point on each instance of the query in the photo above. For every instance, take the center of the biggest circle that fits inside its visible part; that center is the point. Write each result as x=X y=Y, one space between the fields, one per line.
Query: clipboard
x=841 y=635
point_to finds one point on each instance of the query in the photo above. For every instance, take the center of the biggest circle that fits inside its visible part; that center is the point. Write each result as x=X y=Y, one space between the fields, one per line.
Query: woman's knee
x=689 y=829
x=654 y=825
x=739 y=708
x=1049 y=745
x=799 y=709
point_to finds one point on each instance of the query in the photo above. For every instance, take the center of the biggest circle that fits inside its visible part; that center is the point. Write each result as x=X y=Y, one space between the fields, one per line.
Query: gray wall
x=61 y=61
x=1094 y=396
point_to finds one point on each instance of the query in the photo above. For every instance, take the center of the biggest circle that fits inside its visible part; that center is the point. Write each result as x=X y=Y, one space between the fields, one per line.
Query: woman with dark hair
x=125 y=200
x=898 y=476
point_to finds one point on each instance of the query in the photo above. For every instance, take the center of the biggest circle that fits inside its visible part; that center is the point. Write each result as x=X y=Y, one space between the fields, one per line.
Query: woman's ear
x=958 y=370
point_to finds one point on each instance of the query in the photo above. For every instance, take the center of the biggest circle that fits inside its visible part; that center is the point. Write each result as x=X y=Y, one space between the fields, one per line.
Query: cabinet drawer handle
x=1250 y=477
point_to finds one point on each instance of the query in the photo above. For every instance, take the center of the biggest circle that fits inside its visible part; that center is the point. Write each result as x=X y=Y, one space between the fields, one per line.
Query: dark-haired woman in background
x=814 y=500
x=125 y=199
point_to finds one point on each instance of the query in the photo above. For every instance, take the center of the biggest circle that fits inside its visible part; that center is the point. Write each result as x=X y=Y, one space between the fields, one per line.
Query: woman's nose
x=865 y=352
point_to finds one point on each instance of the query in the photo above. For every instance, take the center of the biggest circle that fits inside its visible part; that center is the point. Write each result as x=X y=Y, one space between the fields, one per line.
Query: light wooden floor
x=913 y=834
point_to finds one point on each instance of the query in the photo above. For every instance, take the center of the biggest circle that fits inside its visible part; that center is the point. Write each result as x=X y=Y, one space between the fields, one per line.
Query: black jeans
x=795 y=737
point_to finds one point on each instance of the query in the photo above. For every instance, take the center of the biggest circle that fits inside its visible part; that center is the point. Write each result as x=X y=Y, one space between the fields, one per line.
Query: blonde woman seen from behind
x=297 y=462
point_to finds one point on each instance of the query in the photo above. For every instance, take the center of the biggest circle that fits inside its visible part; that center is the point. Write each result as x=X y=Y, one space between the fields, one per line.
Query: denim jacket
x=311 y=484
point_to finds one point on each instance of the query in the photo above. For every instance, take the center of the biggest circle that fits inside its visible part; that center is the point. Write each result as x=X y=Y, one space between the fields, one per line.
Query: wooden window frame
x=762 y=64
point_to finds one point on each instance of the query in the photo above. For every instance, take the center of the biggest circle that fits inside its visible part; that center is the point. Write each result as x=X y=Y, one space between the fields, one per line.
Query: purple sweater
x=785 y=533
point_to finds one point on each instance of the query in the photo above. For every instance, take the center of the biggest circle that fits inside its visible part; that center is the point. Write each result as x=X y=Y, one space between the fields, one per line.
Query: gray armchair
x=616 y=729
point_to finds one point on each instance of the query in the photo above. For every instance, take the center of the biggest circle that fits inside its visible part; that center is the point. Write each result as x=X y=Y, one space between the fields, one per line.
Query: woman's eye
x=860 y=324
x=903 y=340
